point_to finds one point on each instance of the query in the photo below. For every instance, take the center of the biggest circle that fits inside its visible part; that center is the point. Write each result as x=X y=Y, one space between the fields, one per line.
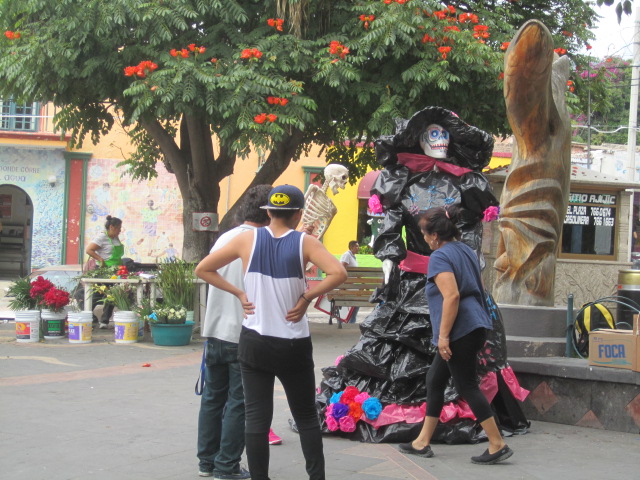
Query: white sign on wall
x=205 y=222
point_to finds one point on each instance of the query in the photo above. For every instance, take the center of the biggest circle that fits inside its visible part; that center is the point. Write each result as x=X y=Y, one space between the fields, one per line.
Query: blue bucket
x=171 y=334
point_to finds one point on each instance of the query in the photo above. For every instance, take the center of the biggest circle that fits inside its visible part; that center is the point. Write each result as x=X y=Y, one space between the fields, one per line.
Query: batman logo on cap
x=279 y=199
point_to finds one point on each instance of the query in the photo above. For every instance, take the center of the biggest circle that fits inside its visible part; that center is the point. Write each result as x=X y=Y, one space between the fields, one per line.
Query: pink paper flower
x=332 y=424
x=347 y=424
x=339 y=359
x=329 y=410
x=491 y=214
x=374 y=204
x=361 y=397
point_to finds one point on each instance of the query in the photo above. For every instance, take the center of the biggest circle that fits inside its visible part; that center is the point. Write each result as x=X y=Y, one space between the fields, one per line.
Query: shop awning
x=366 y=183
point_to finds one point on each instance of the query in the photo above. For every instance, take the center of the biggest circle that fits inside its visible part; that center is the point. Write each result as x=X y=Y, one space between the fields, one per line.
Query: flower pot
x=27 y=326
x=167 y=334
x=53 y=324
x=126 y=326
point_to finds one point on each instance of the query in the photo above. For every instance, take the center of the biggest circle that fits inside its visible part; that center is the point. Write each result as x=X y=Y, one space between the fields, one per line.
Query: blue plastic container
x=171 y=335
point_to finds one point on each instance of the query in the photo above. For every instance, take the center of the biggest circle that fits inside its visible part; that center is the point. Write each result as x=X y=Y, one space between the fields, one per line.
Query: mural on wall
x=151 y=211
x=31 y=171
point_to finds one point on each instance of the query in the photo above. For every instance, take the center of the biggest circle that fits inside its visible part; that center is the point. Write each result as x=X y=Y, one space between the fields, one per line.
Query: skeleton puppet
x=319 y=210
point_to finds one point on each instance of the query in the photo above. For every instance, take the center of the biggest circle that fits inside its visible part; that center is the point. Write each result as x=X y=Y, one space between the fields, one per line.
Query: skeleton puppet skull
x=434 y=141
x=336 y=176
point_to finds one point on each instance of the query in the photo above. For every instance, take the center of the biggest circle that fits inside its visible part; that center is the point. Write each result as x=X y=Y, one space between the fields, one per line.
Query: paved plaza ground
x=71 y=411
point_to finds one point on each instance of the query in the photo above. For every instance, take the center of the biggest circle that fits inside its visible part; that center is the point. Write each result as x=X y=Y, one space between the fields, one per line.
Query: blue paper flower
x=371 y=407
x=339 y=410
x=335 y=398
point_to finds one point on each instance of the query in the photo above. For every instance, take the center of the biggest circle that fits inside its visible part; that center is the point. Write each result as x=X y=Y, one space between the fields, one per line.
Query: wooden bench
x=355 y=291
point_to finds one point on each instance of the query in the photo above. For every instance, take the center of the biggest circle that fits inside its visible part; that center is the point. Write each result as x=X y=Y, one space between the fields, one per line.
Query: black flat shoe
x=490 y=458
x=423 y=452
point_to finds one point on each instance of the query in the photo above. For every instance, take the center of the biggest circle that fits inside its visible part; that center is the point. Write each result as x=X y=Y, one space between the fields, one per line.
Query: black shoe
x=490 y=458
x=423 y=452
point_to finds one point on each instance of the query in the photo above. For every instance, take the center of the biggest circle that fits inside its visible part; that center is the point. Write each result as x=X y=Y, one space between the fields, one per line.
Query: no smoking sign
x=205 y=222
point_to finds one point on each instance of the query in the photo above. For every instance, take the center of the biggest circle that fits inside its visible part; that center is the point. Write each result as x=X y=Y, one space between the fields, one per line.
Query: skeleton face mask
x=434 y=141
x=336 y=176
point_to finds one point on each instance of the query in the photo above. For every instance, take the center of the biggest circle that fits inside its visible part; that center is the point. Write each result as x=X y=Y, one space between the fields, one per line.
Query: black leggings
x=299 y=387
x=462 y=368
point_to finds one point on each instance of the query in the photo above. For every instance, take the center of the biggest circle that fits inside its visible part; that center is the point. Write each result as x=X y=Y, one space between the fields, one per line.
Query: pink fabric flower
x=347 y=424
x=491 y=214
x=332 y=424
x=374 y=204
x=361 y=397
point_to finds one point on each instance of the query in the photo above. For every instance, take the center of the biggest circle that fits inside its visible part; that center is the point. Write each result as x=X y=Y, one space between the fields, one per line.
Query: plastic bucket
x=126 y=327
x=53 y=324
x=27 y=326
x=172 y=334
x=80 y=327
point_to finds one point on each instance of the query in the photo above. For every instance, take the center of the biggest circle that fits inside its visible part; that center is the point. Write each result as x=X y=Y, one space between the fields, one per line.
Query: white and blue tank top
x=274 y=281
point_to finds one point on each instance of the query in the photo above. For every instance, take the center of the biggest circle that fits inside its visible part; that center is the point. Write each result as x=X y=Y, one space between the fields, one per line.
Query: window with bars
x=18 y=117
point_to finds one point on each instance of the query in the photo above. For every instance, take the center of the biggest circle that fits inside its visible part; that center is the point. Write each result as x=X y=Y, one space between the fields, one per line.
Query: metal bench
x=355 y=291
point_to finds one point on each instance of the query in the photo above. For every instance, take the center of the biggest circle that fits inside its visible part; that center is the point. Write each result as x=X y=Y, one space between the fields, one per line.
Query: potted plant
x=51 y=300
x=26 y=308
x=169 y=321
x=122 y=296
x=176 y=281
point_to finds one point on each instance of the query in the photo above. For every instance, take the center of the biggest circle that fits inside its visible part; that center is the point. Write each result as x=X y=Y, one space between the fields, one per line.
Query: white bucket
x=126 y=329
x=53 y=324
x=80 y=327
x=27 y=326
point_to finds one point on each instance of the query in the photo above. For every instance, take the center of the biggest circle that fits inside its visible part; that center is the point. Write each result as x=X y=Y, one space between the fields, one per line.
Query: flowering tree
x=200 y=84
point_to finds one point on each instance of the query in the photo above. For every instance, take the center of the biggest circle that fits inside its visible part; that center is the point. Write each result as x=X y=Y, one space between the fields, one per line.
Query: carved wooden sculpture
x=534 y=199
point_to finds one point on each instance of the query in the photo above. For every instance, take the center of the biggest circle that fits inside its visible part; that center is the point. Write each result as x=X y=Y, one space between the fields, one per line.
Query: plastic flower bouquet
x=55 y=299
x=168 y=314
x=348 y=407
x=121 y=295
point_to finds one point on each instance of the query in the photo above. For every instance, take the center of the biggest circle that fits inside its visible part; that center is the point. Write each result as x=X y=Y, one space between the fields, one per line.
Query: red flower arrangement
x=56 y=299
x=263 y=117
x=366 y=20
x=481 y=32
x=336 y=48
x=39 y=288
x=444 y=51
x=277 y=101
x=48 y=296
x=141 y=70
x=276 y=22
x=250 y=53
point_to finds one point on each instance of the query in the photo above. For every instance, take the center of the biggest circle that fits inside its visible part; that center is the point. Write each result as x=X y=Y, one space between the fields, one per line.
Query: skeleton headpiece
x=336 y=176
x=434 y=141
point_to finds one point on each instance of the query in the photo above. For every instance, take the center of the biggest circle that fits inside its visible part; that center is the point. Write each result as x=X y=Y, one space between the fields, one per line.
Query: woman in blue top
x=460 y=321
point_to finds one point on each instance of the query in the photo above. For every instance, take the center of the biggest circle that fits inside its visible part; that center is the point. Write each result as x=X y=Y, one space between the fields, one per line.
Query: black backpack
x=591 y=316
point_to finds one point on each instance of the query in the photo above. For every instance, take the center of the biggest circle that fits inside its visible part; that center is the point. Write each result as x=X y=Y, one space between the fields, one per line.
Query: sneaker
x=103 y=326
x=423 y=452
x=273 y=438
x=205 y=473
x=240 y=473
x=490 y=458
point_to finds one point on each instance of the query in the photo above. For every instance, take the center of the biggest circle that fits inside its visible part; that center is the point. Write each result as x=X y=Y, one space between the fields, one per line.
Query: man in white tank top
x=275 y=340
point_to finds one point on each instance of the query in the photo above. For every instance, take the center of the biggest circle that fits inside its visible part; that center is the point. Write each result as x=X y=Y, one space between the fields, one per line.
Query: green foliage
x=176 y=281
x=74 y=52
x=18 y=291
